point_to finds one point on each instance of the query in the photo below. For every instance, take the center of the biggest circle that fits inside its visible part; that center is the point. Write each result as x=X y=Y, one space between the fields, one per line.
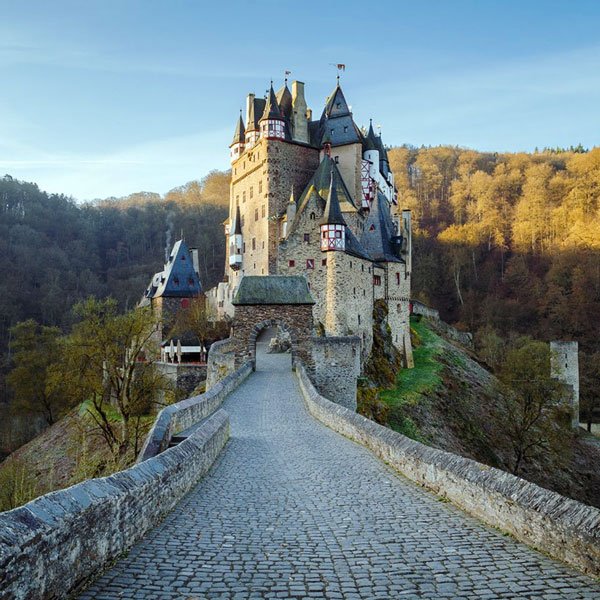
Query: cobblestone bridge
x=294 y=510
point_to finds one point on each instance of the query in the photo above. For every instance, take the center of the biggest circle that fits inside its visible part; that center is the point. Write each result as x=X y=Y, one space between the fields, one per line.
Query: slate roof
x=332 y=214
x=272 y=110
x=237 y=225
x=178 y=279
x=257 y=107
x=272 y=289
x=240 y=130
x=284 y=98
x=378 y=231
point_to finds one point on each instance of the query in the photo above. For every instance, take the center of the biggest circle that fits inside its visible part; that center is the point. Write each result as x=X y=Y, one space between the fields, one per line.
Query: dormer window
x=175 y=280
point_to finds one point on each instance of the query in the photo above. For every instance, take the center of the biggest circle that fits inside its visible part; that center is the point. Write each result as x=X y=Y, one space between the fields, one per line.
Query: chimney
x=195 y=262
x=249 y=110
x=300 y=110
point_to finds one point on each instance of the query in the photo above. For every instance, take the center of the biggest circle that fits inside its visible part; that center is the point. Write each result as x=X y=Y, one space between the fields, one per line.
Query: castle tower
x=239 y=140
x=333 y=243
x=565 y=368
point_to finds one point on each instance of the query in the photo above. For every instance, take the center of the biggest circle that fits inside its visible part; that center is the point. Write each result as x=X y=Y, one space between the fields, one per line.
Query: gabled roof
x=178 y=279
x=284 y=99
x=257 y=107
x=240 y=130
x=332 y=214
x=272 y=110
x=378 y=231
x=272 y=289
x=336 y=105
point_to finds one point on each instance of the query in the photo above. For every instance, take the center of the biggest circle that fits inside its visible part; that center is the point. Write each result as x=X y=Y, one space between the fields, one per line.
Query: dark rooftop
x=272 y=289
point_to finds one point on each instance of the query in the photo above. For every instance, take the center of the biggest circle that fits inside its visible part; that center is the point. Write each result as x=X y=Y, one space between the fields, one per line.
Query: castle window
x=397 y=278
x=362 y=268
x=256 y=214
x=359 y=319
x=175 y=280
x=364 y=293
x=291 y=263
x=244 y=196
x=182 y=257
x=310 y=263
x=253 y=243
x=332 y=132
x=336 y=160
x=260 y=187
x=307 y=237
x=244 y=247
x=251 y=192
x=376 y=279
x=399 y=307
x=263 y=245
x=185 y=303
x=190 y=281
x=338 y=105
x=354 y=291
x=324 y=262
x=372 y=228
x=313 y=216
x=243 y=221
x=237 y=200
x=345 y=128
x=350 y=264
x=264 y=212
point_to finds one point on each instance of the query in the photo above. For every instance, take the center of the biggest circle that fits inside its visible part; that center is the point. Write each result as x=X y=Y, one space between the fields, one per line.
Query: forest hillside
x=55 y=252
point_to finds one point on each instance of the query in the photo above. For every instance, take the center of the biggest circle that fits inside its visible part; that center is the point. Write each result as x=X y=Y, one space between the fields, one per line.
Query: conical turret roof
x=371 y=139
x=333 y=213
x=240 y=132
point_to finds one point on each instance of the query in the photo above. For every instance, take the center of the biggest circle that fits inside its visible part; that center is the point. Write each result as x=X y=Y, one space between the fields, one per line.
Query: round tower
x=333 y=226
x=272 y=123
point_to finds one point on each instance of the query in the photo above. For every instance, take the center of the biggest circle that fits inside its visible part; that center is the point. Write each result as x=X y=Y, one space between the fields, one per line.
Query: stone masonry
x=294 y=510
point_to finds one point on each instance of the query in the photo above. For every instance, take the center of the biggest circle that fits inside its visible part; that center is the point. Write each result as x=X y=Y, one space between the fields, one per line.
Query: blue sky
x=108 y=97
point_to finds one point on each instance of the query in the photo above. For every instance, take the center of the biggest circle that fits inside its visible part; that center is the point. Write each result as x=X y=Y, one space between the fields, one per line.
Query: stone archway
x=273 y=301
x=259 y=345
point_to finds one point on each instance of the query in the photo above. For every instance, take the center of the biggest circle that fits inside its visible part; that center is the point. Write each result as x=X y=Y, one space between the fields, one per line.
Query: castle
x=316 y=198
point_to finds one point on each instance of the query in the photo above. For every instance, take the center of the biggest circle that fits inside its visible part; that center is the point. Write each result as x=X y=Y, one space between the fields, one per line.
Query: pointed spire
x=333 y=212
x=292 y=196
x=237 y=225
x=240 y=131
x=371 y=143
x=272 y=110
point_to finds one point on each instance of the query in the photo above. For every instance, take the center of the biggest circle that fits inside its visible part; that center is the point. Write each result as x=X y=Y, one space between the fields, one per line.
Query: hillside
x=447 y=401
x=65 y=453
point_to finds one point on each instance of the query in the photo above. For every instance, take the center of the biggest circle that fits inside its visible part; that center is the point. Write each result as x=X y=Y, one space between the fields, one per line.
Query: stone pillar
x=565 y=368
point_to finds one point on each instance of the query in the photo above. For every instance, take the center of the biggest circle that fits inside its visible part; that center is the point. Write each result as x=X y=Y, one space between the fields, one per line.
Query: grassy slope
x=66 y=453
x=445 y=402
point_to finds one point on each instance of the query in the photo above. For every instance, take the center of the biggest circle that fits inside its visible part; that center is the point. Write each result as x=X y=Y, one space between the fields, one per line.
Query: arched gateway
x=273 y=301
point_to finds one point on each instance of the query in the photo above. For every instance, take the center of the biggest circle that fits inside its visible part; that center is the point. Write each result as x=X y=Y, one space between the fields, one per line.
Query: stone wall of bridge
x=53 y=545
x=556 y=525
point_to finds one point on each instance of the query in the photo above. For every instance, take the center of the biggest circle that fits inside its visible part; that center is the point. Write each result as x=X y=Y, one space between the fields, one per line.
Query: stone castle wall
x=221 y=362
x=184 y=377
x=250 y=320
x=336 y=368
x=564 y=528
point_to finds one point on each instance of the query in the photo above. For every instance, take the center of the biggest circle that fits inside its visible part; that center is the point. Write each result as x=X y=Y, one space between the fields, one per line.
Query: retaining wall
x=221 y=362
x=564 y=528
x=53 y=545
x=433 y=316
x=180 y=416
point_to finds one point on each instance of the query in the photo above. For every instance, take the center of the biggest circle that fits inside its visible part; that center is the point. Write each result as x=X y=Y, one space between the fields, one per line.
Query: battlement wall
x=564 y=528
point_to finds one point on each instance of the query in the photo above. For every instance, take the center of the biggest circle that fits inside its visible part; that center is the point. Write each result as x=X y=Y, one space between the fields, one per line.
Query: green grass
x=413 y=384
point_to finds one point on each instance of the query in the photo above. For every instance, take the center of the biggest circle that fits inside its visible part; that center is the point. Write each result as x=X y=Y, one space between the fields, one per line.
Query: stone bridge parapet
x=559 y=526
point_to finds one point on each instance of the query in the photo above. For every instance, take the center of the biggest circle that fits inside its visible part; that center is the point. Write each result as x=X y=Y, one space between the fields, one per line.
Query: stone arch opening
x=272 y=345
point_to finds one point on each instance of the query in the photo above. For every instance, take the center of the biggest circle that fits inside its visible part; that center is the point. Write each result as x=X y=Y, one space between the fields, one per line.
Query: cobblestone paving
x=293 y=510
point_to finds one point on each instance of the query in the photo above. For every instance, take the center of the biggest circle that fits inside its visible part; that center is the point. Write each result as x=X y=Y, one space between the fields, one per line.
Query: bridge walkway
x=293 y=510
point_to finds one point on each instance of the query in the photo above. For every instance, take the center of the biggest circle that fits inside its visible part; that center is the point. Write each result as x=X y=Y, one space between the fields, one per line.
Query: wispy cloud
x=159 y=164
